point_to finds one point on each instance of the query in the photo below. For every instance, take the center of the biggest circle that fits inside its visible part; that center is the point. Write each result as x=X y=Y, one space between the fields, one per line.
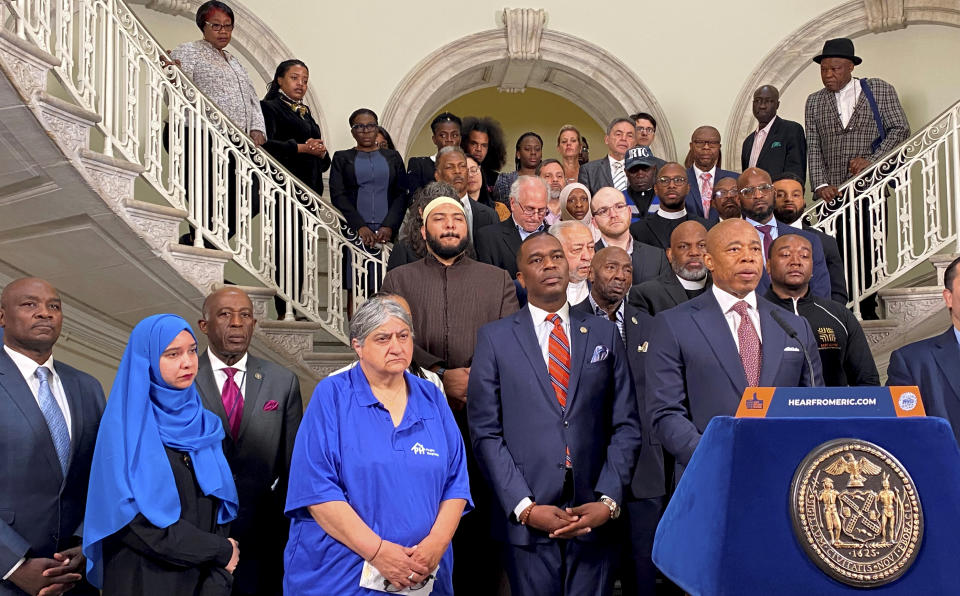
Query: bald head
x=734 y=256
x=611 y=273
x=766 y=102
x=214 y=299
x=31 y=317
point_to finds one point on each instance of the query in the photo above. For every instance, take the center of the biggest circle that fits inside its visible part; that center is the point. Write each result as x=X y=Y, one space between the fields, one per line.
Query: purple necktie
x=750 y=354
x=232 y=402
x=767 y=239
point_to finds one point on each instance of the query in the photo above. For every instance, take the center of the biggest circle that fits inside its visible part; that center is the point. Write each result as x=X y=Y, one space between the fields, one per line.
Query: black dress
x=186 y=558
x=285 y=130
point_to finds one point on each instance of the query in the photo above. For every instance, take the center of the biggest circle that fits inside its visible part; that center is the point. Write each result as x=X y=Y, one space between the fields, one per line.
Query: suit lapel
x=774 y=131
x=947 y=357
x=511 y=236
x=774 y=341
x=210 y=393
x=578 y=351
x=252 y=394
x=527 y=340
x=709 y=318
x=675 y=290
x=16 y=387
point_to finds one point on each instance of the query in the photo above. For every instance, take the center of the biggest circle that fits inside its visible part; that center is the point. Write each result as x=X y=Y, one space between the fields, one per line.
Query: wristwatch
x=440 y=372
x=614 y=508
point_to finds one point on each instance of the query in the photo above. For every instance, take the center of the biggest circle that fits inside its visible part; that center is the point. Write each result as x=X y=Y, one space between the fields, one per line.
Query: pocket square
x=600 y=353
x=270 y=406
x=776 y=144
x=791 y=349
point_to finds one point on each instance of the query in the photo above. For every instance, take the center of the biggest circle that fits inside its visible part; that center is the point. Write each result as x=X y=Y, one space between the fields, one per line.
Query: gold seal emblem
x=856 y=512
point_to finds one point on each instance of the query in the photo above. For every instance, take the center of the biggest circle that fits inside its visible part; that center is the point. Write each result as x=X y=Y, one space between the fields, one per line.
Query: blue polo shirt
x=395 y=478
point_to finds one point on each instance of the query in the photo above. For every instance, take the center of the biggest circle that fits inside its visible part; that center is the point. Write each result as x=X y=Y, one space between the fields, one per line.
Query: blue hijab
x=130 y=473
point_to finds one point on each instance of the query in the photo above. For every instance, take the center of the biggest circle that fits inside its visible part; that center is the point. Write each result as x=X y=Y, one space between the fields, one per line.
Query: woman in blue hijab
x=161 y=493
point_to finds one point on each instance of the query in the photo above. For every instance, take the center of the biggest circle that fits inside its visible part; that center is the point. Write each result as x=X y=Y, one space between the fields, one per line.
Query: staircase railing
x=900 y=211
x=199 y=161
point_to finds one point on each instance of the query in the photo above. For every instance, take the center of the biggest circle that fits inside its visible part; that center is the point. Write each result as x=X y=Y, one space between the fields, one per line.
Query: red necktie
x=750 y=354
x=559 y=368
x=232 y=402
x=706 y=192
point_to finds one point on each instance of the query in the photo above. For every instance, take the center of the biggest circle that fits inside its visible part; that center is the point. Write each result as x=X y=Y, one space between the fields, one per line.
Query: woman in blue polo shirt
x=378 y=480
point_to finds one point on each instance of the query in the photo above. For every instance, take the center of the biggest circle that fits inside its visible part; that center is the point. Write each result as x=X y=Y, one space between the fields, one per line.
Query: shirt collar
x=849 y=87
x=712 y=171
x=539 y=315
x=629 y=248
x=613 y=161
x=26 y=365
x=217 y=364
x=692 y=285
x=727 y=300
x=672 y=214
x=766 y=128
x=772 y=223
x=598 y=311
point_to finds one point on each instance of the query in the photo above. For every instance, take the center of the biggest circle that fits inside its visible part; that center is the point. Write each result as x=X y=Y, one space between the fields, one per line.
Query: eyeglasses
x=751 y=190
x=646 y=129
x=364 y=127
x=388 y=587
x=677 y=180
x=720 y=194
x=605 y=211
x=530 y=211
x=702 y=144
x=473 y=170
x=218 y=27
x=383 y=145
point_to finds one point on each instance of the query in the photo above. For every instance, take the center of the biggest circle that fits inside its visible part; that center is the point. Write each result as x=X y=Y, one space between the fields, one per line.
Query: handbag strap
x=881 y=132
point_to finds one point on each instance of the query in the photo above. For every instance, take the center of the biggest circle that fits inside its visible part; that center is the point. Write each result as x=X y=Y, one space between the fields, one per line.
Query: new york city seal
x=856 y=512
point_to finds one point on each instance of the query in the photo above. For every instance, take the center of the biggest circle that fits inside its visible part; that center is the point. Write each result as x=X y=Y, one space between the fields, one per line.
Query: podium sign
x=830 y=402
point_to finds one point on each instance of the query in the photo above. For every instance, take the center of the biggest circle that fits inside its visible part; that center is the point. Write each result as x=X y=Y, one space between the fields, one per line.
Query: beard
x=757 y=215
x=691 y=275
x=447 y=252
x=786 y=216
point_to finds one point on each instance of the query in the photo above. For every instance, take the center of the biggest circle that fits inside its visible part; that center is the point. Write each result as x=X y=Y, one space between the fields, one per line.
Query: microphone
x=793 y=333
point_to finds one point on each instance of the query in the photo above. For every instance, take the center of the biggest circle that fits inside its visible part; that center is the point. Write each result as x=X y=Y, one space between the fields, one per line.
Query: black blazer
x=260 y=461
x=41 y=512
x=344 y=188
x=420 y=172
x=285 y=130
x=648 y=477
x=649 y=262
x=831 y=253
x=784 y=150
x=483 y=216
x=658 y=295
x=655 y=230
x=498 y=245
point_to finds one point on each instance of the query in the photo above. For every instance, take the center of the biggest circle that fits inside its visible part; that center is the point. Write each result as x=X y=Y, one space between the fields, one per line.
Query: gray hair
x=617 y=121
x=522 y=180
x=373 y=313
x=450 y=149
x=559 y=230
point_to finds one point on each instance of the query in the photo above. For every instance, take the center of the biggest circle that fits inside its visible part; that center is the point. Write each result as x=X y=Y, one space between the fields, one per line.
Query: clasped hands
x=406 y=566
x=570 y=522
x=50 y=577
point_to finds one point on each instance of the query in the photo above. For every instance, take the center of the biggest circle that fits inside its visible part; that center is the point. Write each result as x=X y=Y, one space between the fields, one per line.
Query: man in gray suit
x=49 y=416
x=609 y=170
x=260 y=407
x=843 y=136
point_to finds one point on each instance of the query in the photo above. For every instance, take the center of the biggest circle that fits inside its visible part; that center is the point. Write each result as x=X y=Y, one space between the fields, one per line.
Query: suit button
x=566 y=424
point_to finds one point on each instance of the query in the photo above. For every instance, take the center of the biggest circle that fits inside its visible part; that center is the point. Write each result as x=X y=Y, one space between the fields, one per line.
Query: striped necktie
x=56 y=422
x=619 y=176
x=559 y=368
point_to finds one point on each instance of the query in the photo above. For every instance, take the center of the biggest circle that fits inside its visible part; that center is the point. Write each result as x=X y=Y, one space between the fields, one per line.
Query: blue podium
x=728 y=528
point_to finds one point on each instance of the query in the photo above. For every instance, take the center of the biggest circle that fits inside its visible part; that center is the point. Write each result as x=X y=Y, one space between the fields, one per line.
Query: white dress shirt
x=220 y=377
x=727 y=300
x=698 y=173
x=847 y=100
x=577 y=291
x=613 y=168
x=28 y=368
x=758 y=140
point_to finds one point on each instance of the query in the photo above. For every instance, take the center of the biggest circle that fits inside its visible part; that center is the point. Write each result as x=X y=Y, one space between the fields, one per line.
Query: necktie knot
x=230 y=372
x=43 y=373
x=618 y=165
x=765 y=229
x=741 y=308
x=706 y=176
x=555 y=319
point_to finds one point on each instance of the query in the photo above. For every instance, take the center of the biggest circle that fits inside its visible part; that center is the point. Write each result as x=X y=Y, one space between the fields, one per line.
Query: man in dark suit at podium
x=705 y=352
x=931 y=364
x=554 y=425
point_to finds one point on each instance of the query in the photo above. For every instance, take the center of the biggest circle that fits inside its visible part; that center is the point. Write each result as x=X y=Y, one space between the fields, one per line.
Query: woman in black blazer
x=368 y=184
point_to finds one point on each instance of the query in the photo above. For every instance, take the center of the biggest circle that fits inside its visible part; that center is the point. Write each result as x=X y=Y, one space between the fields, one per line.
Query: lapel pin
x=634 y=319
x=583 y=330
x=257 y=376
x=642 y=347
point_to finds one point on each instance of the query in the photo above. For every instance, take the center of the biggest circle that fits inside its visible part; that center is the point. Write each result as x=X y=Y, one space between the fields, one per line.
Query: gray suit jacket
x=41 y=511
x=830 y=146
x=260 y=461
x=596 y=174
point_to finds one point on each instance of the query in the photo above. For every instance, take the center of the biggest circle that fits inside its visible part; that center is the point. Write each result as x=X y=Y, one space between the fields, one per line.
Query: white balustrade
x=910 y=198
x=199 y=161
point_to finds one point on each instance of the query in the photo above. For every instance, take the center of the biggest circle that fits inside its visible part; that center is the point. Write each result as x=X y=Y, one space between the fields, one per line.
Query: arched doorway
x=579 y=71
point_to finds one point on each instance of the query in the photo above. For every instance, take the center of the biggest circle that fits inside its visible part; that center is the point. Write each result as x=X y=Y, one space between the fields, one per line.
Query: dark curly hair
x=496 y=148
x=409 y=233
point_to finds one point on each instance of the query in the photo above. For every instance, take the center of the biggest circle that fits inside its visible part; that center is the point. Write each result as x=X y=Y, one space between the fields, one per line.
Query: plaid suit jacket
x=830 y=147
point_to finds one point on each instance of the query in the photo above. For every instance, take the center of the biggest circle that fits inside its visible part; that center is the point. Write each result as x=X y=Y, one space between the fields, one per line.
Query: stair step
x=159 y=225
x=907 y=305
x=67 y=123
x=293 y=337
x=112 y=177
x=878 y=332
x=203 y=267
x=324 y=363
x=26 y=63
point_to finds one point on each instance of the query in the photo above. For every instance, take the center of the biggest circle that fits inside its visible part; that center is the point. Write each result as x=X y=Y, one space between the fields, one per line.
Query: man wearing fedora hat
x=850 y=124
x=843 y=134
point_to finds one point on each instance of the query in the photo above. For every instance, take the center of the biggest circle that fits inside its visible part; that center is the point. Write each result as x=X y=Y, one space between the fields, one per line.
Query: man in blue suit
x=554 y=425
x=49 y=416
x=757 y=202
x=704 y=172
x=932 y=363
x=705 y=352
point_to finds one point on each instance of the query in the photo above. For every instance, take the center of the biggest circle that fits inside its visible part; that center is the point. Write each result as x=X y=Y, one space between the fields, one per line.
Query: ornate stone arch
x=852 y=19
x=577 y=70
x=253 y=39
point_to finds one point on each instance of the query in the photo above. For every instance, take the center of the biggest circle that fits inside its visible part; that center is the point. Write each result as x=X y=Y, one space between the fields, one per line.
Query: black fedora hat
x=838 y=48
